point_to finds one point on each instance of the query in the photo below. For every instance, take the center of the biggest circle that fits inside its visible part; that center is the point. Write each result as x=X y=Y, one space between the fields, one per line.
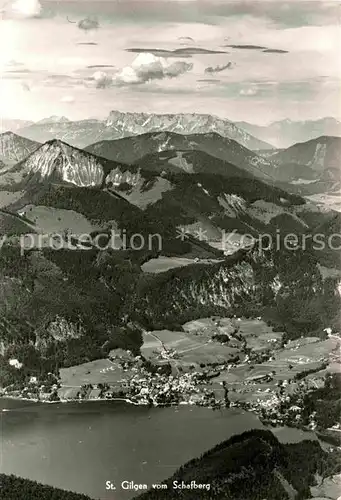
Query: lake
x=80 y=446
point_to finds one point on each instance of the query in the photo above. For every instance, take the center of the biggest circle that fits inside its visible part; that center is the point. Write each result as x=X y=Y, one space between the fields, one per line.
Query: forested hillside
x=251 y=466
x=16 y=488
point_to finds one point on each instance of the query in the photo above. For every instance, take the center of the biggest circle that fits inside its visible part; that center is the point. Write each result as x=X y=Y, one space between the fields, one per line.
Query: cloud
x=68 y=99
x=13 y=63
x=276 y=51
x=102 y=79
x=97 y=66
x=147 y=67
x=27 y=8
x=209 y=80
x=218 y=69
x=53 y=80
x=25 y=86
x=86 y=43
x=258 y=47
x=184 y=52
x=246 y=47
x=18 y=71
x=249 y=91
x=88 y=24
x=185 y=40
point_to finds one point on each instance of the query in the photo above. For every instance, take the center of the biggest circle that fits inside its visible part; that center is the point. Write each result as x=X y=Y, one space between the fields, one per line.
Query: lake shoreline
x=98 y=400
x=266 y=423
x=117 y=440
x=80 y=447
x=66 y=401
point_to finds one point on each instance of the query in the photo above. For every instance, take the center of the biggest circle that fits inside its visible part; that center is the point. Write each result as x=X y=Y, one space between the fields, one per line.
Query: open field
x=331 y=199
x=230 y=243
x=8 y=197
x=210 y=354
x=142 y=197
x=206 y=327
x=305 y=352
x=258 y=335
x=287 y=363
x=153 y=343
x=162 y=264
x=330 y=488
x=189 y=348
x=52 y=220
x=94 y=372
x=327 y=272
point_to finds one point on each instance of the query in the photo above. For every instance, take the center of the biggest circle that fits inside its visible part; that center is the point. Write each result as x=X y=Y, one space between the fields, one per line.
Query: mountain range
x=305 y=168
x=118 y=125
x=8 y=124
x=227 y=184
x=132 y=149
x=285 y=133
x=280 y=134
x=302 y=163
x=184 y=188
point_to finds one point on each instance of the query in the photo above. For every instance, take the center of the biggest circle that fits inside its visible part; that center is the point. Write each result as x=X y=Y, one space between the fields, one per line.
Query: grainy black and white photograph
x=170 y=237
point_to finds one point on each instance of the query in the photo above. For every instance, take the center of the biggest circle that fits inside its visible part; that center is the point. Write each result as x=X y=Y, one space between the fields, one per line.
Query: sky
x=74 y=58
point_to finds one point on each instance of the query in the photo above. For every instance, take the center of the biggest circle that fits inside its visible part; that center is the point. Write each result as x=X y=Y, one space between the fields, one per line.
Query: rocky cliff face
x=227 y=285
x=58 y=330
x=119 y=176
x=56 y=161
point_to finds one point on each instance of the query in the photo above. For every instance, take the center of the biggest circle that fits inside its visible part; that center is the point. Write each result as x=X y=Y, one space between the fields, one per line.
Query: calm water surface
x=81 y=446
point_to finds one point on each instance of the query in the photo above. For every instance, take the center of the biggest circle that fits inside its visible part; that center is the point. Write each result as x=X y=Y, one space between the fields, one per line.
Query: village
x=212 y=363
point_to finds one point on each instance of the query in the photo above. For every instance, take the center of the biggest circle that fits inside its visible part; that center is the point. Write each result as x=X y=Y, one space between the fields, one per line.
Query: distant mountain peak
x=54 y=119
x=13 y=124
x=9 y=133
x=13 y=147
x=319 y=156
x=59 y=143
x=285 y=133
